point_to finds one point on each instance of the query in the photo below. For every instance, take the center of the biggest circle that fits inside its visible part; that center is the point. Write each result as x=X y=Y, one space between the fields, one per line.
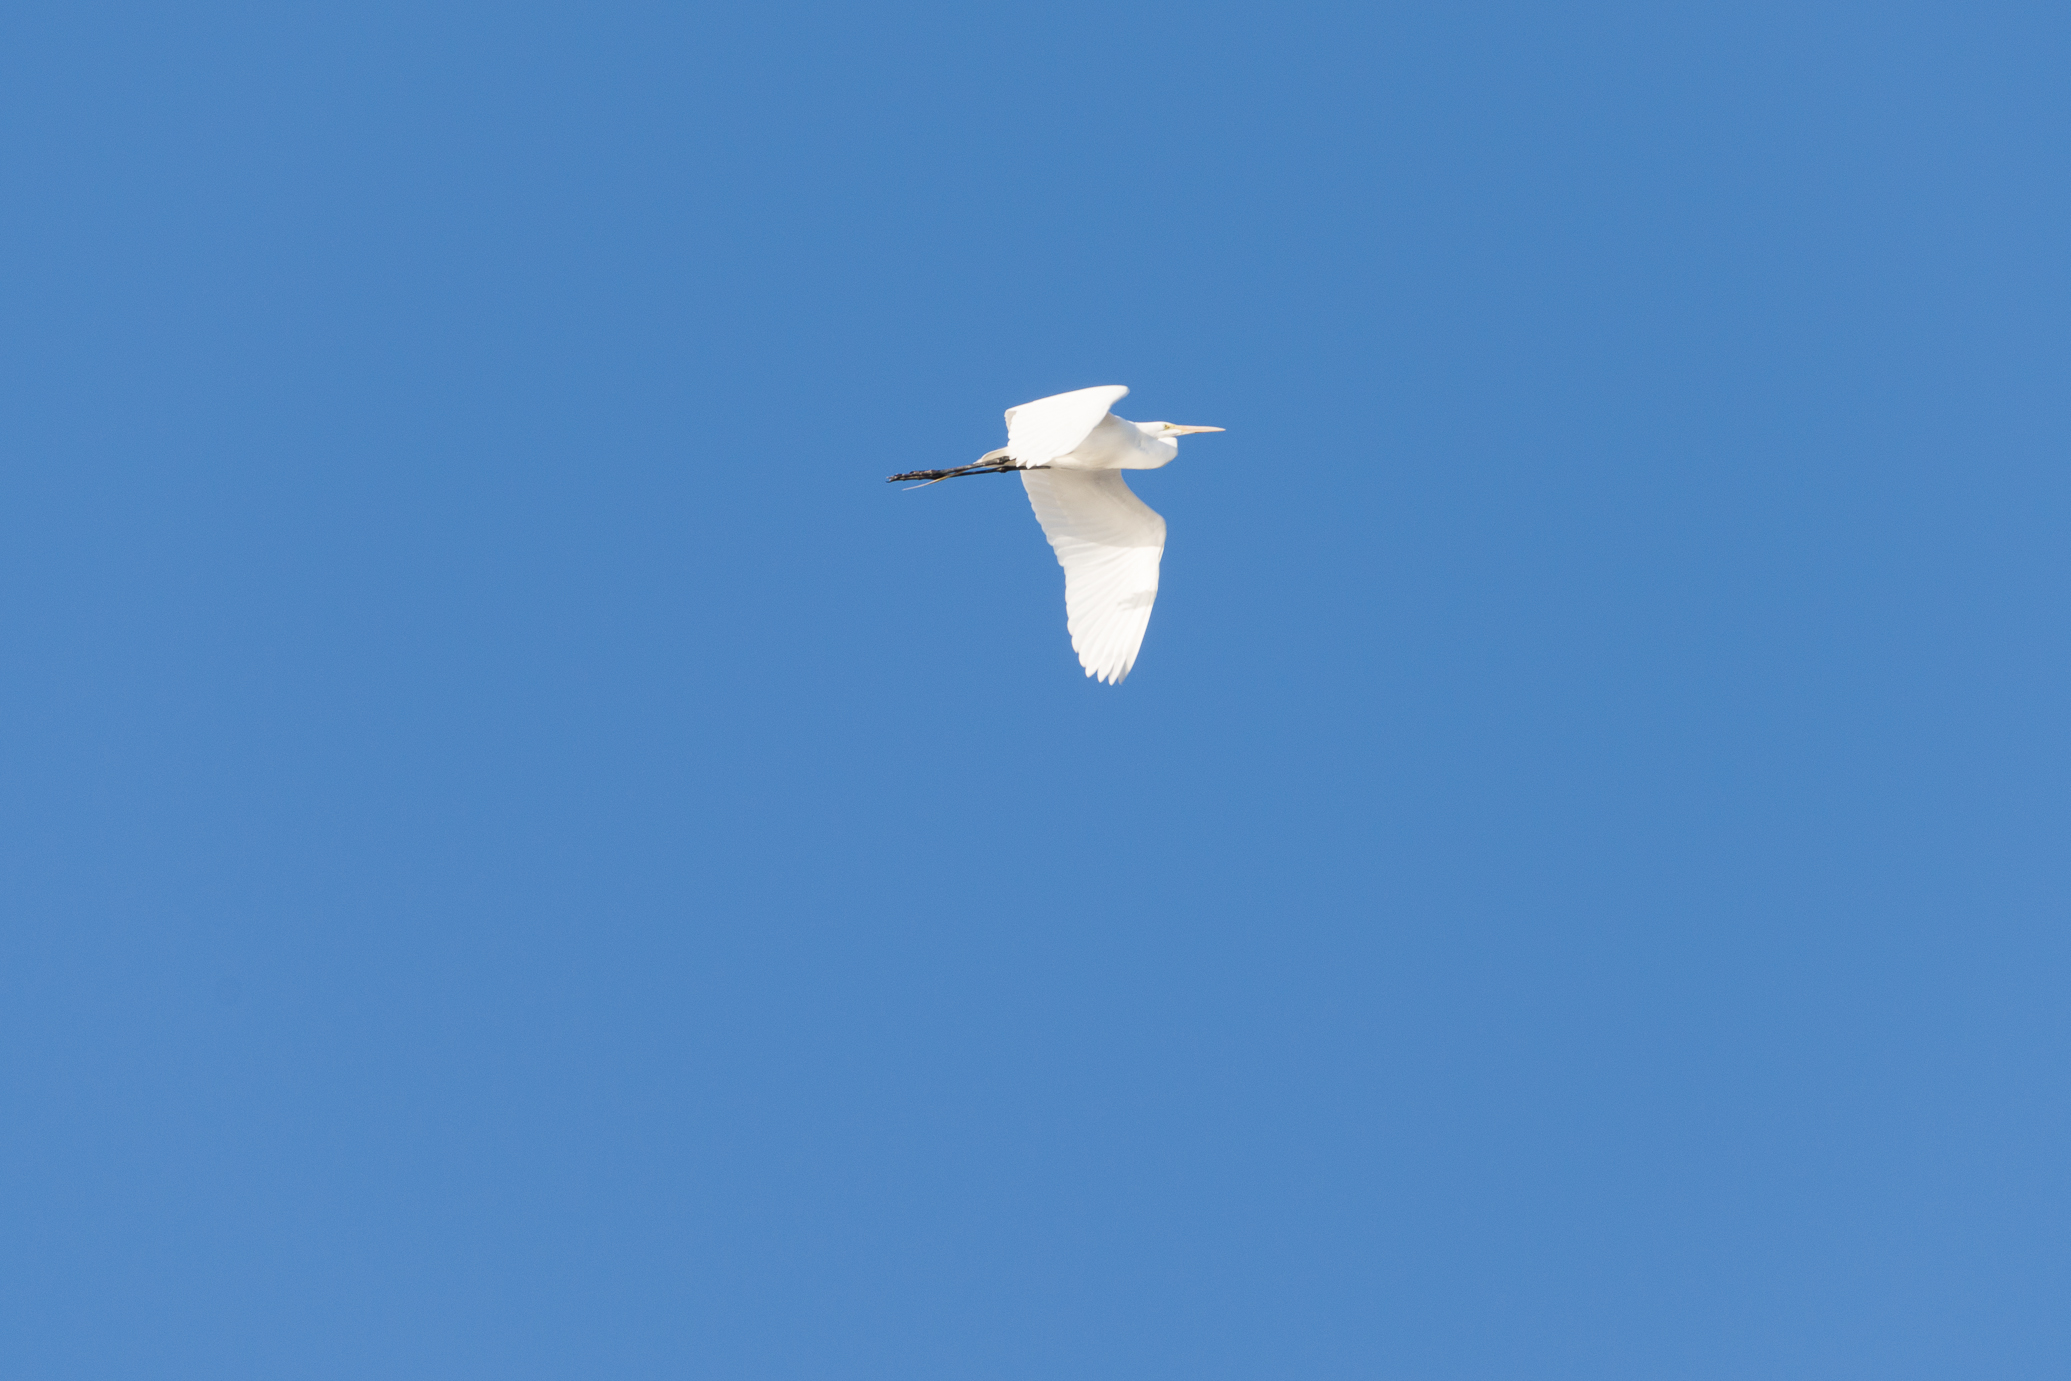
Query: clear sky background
x=524 y=858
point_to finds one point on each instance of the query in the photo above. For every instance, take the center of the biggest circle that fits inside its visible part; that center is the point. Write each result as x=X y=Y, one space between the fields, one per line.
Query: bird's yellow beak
x=1182 y=431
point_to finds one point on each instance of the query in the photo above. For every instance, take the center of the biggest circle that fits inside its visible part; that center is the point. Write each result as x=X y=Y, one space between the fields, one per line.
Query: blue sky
x=525 y=858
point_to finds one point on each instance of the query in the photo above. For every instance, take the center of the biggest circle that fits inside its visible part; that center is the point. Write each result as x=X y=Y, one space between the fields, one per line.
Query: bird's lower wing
x=1109 y=542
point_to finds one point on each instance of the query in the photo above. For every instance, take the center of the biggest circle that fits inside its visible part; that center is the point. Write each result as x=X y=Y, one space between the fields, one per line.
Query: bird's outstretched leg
x=991 y=463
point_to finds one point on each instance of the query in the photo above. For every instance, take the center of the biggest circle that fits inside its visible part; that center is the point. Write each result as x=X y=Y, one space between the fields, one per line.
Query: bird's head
x=1167 y=429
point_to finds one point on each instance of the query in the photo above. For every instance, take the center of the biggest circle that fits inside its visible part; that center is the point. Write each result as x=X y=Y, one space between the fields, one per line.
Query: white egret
x=1070 y=450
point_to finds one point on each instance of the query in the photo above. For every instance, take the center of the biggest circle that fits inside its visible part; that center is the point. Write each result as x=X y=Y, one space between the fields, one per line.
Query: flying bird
x=1070 y=452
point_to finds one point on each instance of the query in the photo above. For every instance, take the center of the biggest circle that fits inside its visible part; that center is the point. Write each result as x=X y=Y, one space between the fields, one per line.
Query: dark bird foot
x=983 y=467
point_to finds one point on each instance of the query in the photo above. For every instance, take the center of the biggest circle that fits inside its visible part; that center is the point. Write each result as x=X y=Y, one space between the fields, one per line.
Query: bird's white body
x=1070 y=449
x=1114 y=444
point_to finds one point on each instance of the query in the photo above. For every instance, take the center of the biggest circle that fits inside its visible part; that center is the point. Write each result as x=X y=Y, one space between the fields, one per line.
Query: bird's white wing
x=1108 y=542
x=1039 y=432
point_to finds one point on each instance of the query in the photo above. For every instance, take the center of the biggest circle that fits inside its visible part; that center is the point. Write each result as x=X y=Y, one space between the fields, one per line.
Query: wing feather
x=1039 y=432
x=1109 y=543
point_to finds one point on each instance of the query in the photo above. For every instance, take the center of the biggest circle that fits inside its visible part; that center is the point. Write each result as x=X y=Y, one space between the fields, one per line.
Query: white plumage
x=1109 y=543
x=1071 y=450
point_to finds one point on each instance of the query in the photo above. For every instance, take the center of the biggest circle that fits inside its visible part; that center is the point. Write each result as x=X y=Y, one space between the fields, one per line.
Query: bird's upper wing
x=1039 y=432
x=1108 y=542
